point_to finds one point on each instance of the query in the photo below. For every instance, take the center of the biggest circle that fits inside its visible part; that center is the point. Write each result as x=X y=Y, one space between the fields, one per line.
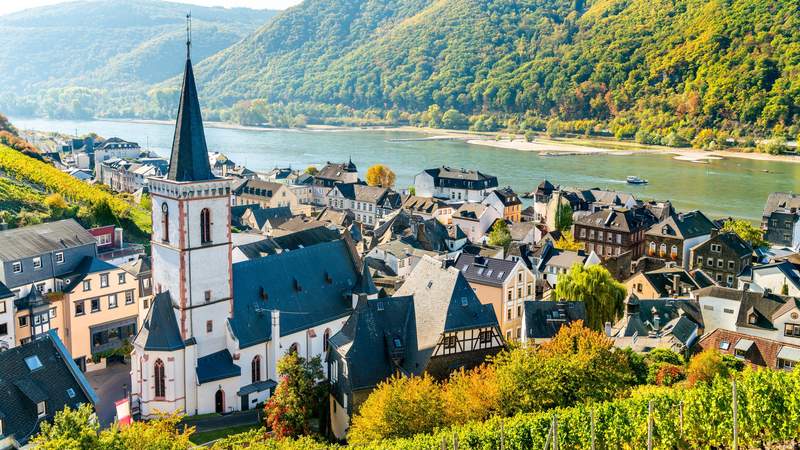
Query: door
x=219 y=401
x=245 y=402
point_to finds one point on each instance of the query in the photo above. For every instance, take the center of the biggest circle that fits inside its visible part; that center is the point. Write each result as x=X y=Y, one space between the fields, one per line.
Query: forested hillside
x=659 y=65
x=67 y=60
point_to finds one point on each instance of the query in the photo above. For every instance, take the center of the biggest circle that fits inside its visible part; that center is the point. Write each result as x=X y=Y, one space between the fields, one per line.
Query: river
x=730 y=187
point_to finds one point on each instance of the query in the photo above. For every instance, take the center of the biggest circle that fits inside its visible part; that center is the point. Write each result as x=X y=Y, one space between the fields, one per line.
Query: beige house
x=267 y=195
x=502 y=283
x=100 y=310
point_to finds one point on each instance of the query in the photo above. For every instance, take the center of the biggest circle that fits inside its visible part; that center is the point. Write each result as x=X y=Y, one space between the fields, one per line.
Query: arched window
x=652 y=248
x=205 y=226
x=325 y=337
x=255 y=368
x=165 y=222
x=160 y=382
x=293 y=348
x=674 y=251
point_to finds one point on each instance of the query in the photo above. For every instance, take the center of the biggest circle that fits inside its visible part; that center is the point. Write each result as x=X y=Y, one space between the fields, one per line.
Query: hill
x=657 y=65
x=60 y=59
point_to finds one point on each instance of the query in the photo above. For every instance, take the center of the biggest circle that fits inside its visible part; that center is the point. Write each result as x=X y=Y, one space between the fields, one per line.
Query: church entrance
x=219 y=401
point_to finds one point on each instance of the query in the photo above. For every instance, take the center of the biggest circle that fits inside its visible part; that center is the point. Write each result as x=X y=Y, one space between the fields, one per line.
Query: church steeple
x=189 y=158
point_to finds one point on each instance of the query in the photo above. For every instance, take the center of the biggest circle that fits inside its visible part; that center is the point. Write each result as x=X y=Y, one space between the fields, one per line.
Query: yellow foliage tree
x=380 y=175
x=568 y=242
x=471 y=395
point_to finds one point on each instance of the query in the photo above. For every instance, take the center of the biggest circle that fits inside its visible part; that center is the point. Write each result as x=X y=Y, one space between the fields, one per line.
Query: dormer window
x=751 y=319
x=41 y=409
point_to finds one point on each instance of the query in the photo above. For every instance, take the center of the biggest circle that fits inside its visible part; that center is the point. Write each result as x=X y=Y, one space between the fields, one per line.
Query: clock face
x=164 y=207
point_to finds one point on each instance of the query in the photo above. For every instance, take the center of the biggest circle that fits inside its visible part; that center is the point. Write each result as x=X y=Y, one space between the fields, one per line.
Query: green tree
x=297 y=397
x=57 y=205
x=747 y=231
x=593 y=285
x=455 y=120
x=705 y=366
x=563 y=219
x=312 y=170
x=500 y=235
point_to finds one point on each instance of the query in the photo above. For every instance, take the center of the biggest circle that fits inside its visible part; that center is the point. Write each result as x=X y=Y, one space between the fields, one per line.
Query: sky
x=9 y=6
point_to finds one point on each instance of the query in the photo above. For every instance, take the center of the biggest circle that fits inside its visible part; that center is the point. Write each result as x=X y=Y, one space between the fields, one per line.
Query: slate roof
x=342 y=218
x=258 y=188
x=34 y=240
x=470 y=211
x=426 y=205
x=640 y=317
x=661 y=280
x=543 y=319
x=785 y=267
x=189 y=158
x=766 y=306
x=275 y=216
x=310 y=286
x=781 y=201
x=87 y=266
x=365 y=284
x=34 y=299
x=482 y=270
x=623 y=220
x=520 y=230
x=216 y=366
x=160 y=331
x=729 y=240
x=5 y=292
x=335 y=171
x=461 y=178
x=683 y=226
x=507 y=196
x=362 y=193
x=138 y=267
x=20 y=387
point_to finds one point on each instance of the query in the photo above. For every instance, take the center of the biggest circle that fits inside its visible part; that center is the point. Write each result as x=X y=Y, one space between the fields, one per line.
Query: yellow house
x=101 y=310
x=662 y=283
x=507 y=202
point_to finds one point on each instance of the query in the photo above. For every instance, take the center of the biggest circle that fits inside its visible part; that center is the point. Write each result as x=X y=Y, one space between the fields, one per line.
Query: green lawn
x=208 y=436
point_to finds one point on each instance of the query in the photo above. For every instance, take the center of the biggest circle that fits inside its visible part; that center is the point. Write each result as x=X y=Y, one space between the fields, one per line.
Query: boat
x=635 y=180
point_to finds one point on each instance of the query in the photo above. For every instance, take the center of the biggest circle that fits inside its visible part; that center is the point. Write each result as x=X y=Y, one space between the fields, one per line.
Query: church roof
x=216 y=366
x=160 y=331
x=365 y=284
x=189 y=159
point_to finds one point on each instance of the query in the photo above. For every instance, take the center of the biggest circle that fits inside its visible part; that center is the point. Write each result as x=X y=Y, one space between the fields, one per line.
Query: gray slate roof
x=783 y=201
x=310 y=286
x=482 y=270
x=543 y=319
x=216 y=366
x=683 y=226
x=34 y=240
x=461 y=178
x=189 y=158
x=160 y=331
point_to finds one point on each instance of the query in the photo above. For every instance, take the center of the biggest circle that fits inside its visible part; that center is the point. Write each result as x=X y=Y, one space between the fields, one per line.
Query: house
x=475 y=220
x=501 y=283
x=723 y=257
x=7 y=318
x=525 y=232
x=542 y=197
x=265 y=194
x=542 y=320
x=291 y=241
x=507 y=201
x=752 y=350
x=328 y=176
x=780 y=219
x=779 y=277
x=112 y=248
x=116 y=148
x=661 y=323
x=401 y=256
x=673 y=238
x=99 y=311
x=454 y=184
x=551 y=262
x=266 y=220
x=429 y=208
x=368 y=203
x=37 y=380
x=141 y=272
x=612 y=232
x=220 y=164
x=662 y=283
x=433 y=324
x=128 y=175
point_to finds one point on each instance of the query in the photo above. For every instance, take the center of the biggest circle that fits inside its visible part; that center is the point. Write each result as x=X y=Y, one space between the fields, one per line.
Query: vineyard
x=682 y=418
x=15 y=165
x=15 y=197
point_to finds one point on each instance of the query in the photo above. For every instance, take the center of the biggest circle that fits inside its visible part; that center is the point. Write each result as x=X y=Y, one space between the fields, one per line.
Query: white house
x=475 y=220
x=459 y=185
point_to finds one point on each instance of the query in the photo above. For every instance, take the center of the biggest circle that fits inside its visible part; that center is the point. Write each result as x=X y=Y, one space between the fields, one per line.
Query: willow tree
x=593 y=285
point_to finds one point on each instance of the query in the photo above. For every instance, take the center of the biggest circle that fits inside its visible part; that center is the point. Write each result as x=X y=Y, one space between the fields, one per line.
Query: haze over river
x=729 y=187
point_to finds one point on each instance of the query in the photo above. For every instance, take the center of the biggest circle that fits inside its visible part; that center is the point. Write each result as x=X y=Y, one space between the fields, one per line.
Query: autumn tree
x=297 y=397
x=57 y=205
x=399 y=407
x=312 y=170
x=471 y=395
x=567 y=242
x=747 y=231
x=500 y=235
x=705 y=366
x=380 y=175
x=593 y=285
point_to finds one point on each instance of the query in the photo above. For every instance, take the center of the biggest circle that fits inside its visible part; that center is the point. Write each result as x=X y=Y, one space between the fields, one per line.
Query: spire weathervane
x=189 y=35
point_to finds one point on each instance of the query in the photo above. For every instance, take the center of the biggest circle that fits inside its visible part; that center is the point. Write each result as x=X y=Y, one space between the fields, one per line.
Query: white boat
x=635 y=180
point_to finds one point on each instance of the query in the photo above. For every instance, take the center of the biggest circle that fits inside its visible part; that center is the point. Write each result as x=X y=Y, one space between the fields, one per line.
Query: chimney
x=607 y=328
x=676 y=285
x=656 y=322
x=275 y=343
x=118 y=238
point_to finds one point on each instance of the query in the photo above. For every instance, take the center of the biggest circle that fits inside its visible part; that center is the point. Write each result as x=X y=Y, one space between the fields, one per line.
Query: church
x=215 y=330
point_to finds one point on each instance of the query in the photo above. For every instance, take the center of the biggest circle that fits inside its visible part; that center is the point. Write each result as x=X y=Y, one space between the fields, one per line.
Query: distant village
x=245 y=266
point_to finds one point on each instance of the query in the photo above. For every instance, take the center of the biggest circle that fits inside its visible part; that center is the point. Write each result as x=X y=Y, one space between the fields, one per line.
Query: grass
x=208 y=436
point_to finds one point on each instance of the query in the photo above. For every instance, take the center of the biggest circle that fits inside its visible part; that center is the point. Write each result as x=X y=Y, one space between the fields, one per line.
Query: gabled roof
x=764 y=305
x=482 y=270
x=461 y=178
x=543 y=319
x=35 y=240
x=782 y=201
x=189 y=158
x=683 y=226
x=470 y=211
x=335 y=171
x=34 y=299
x=216 y=366
x=160 y=331
x=273 y=216
x=791 y=275
x=427 y=205
x=87 y=266
x=361 y=192
x=661 y=280
x=259 y=188
x=731 y=241
x=365 y=284
x=5 y=292
x=138 y=267
x=507 y=196
x=310 y=286
x=622 y=220
x=53 y=382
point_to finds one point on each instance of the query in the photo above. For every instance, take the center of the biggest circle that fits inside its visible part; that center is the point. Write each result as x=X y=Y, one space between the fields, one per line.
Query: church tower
x=191 y=241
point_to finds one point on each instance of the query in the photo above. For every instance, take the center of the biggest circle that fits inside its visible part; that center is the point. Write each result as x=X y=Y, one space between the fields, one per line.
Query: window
x=710 y=262
x=16 y=267
x=519 y=311
x=103 y=280
x=158 y=379
x=508 y=297
x=583 y=232
x=720 y=263
x=334 y=371
x=325 y=336
x=112 y=301
x=95 y=304
x=209 y=326
x=60 y=258
x=121 y=278
x=255 y=369
x=79 y=308
x=599 y=235
x=2 y=307
x=783 y=364
x=146 y=283
x=37 y=263
x=724 y=345
x=41 y=409
x=485 y=337
x=87 y=285
x=23 y=321
x=730 y=265
x=164 y=222
x=791 y=329
x=619 y=239
x=508 y=314
x=519 y=277
x=145 y=303
x=719 y=278
x=716 y=248
x=205 y=226
x=128 y=297
x=730 y=280
x=33 y=362
x=751 y=319
x=3 y=329
x=739 y=354
x=519 y=292
x=727 y=311
x=449 y=342
x=207 y=295
x=103 y=239
x=652 y=248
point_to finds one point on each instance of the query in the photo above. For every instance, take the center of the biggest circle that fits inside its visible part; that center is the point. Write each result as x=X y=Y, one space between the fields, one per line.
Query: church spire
x=189 y=158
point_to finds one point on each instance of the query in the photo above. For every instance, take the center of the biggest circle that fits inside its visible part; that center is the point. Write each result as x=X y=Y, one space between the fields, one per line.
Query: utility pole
x=650 y=425
x=735 y=418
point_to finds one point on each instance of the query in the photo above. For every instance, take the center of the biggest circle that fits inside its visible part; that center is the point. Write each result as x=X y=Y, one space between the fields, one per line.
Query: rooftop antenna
x=188 y=34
